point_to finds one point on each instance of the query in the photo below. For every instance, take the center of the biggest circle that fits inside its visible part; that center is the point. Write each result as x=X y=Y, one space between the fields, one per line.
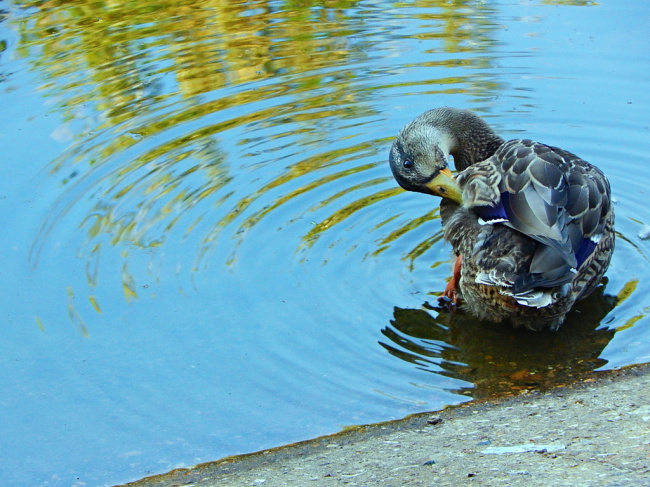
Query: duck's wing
x=548 y=194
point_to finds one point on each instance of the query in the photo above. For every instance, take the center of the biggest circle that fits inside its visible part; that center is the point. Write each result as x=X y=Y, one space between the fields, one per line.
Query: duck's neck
x=475 y=148
x=473 y=139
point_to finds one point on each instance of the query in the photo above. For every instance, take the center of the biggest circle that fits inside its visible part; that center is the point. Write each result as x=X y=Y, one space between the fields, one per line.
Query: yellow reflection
x=412 y=225
x=128 y=284
x=628 y=289
x=74 y=315
x=579 y=3
x=39 y=323
x=94 y=303
x=630 y=322
x=150 y=89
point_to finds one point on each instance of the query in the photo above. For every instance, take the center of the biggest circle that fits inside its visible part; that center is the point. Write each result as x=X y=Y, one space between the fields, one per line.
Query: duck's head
x=418 y=159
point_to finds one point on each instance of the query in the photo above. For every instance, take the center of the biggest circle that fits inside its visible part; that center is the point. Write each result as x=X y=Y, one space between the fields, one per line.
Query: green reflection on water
x=134 y=78
x=578 y=3
x=147 y=92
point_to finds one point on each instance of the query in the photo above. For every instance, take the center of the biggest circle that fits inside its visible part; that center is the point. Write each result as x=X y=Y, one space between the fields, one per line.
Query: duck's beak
x=445 y=186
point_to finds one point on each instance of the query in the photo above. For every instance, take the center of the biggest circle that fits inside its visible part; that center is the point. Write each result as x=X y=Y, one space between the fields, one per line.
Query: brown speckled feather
x=552 y=236
x=536 y=225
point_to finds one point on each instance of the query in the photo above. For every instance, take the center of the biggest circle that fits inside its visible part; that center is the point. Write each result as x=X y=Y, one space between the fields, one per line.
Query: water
x=204 y=252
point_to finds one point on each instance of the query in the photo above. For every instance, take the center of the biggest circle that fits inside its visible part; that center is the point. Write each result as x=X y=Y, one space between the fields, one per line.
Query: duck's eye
x=442 y=190
x=408 y=164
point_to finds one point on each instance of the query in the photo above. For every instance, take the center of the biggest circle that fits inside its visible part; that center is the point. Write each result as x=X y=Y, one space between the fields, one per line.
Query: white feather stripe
x=532 y=298
x=491 y=279
x=491 y=222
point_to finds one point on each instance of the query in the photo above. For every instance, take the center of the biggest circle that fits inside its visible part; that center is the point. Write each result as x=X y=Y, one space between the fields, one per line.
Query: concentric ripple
x=208 y=202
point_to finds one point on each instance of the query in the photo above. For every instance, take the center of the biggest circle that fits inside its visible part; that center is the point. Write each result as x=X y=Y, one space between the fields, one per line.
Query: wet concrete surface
x=595 y=432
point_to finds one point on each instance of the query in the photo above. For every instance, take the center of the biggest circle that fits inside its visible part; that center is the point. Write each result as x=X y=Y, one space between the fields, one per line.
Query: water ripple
x=222 y=225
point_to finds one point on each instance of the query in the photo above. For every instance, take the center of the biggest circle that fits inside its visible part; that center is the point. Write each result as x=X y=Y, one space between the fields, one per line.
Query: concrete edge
x=250 y=461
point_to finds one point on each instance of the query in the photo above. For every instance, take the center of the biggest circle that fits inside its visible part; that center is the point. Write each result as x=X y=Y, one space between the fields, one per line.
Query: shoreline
x=595 y=431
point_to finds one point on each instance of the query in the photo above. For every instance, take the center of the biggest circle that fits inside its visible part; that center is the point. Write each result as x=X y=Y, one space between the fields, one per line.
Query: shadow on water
x=497 y=359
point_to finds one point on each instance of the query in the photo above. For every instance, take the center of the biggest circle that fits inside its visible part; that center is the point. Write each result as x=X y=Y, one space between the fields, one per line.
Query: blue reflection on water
x=264 y=320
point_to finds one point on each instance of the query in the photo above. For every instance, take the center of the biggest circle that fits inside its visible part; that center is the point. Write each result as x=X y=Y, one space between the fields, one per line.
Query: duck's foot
x=449 y=298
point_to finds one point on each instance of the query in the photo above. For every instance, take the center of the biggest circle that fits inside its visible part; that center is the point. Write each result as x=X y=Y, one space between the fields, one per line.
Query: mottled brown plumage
x=533 y=223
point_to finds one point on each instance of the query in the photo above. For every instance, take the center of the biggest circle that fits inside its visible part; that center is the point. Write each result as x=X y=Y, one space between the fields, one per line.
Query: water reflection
x=218 y=218
x=581 y=3
x=187 y=120
x=151 y=158
x=196 y=123
x=497 y=359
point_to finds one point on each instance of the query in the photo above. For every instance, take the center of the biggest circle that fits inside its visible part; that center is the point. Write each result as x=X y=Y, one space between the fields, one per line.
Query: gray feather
x=523 y=267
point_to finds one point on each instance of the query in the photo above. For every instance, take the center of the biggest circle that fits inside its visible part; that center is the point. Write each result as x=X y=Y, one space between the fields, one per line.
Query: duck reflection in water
x=500 y=360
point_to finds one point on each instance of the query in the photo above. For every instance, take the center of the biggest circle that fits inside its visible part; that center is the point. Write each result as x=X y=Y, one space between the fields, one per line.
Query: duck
x=531 y=225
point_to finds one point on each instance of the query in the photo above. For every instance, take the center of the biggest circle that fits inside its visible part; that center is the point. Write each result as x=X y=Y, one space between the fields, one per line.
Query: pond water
x=204 y=252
